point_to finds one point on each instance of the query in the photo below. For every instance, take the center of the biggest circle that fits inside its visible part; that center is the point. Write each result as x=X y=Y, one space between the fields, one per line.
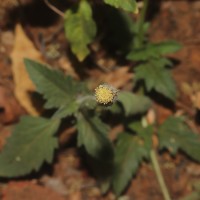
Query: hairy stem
x=159 y=175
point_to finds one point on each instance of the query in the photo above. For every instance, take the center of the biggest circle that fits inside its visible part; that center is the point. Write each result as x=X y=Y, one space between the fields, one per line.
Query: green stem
x=85 y=98
x=141 y=23
x=159 y=175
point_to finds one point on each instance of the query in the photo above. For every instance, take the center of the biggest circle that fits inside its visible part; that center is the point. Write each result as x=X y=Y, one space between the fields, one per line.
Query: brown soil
x=69 y=178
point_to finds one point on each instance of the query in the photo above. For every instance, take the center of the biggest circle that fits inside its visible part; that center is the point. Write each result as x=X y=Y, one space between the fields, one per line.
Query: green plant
x=34 y=141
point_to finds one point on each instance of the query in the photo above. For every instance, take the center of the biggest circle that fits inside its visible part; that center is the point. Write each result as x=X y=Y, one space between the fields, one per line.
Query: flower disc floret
x=105 y=94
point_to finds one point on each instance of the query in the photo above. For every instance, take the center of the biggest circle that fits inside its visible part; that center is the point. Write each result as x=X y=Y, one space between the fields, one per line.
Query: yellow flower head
x=105 y=94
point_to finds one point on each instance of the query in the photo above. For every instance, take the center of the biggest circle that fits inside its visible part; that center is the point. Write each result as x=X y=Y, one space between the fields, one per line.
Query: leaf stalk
x=159 y=175
x=141 y=23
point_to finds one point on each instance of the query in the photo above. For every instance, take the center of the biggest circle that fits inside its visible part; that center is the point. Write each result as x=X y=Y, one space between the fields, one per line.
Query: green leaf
x=92 y=133
x=88 y=102
x=127 y=5
x=115 y=109
x=156 y=76
x=135 y=26
x=66 y=110
x=175 y=135
x=31 y=143
x=80 y=29
x=102 y=171
x=136 y=29
x=145 y=133
x=134 y=104
x=130 y=151
x=58 y=90
x=153 y=51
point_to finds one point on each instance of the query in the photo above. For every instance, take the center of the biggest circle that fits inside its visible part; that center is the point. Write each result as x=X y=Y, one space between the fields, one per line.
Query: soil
x=43 y=37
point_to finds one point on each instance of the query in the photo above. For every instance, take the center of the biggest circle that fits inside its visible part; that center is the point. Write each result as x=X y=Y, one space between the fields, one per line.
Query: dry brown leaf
x=151 y=116
x=117 y=78
x=193 y=92
x=75 y=196
x=196 y=100
x=23 y=48
x=66 y=66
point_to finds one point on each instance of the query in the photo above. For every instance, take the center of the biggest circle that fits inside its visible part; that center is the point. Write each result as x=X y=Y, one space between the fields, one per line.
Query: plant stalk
x=141 y=23
x=159 y=175
x=56 y=10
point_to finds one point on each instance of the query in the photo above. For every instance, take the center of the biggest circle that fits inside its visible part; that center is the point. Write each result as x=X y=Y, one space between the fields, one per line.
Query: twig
x=56 y=10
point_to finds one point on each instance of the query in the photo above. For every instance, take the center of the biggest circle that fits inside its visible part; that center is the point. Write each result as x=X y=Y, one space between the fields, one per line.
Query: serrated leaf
x=153 y=51
x=115 y=109
x=135 y=26
x=130 y=151
x=102 y=170
x=127 y=5
x=92 y=133
x=58 y=90
x=136 y=39
x=157 y=77
x=175 y=135
x=66 y=111
x=134 y=104
x=143 y=132
x=80 y=29
x=88 y=102
x=31 y=143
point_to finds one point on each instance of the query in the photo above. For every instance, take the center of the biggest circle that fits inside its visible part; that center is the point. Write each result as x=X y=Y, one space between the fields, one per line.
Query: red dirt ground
x=69 y=178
